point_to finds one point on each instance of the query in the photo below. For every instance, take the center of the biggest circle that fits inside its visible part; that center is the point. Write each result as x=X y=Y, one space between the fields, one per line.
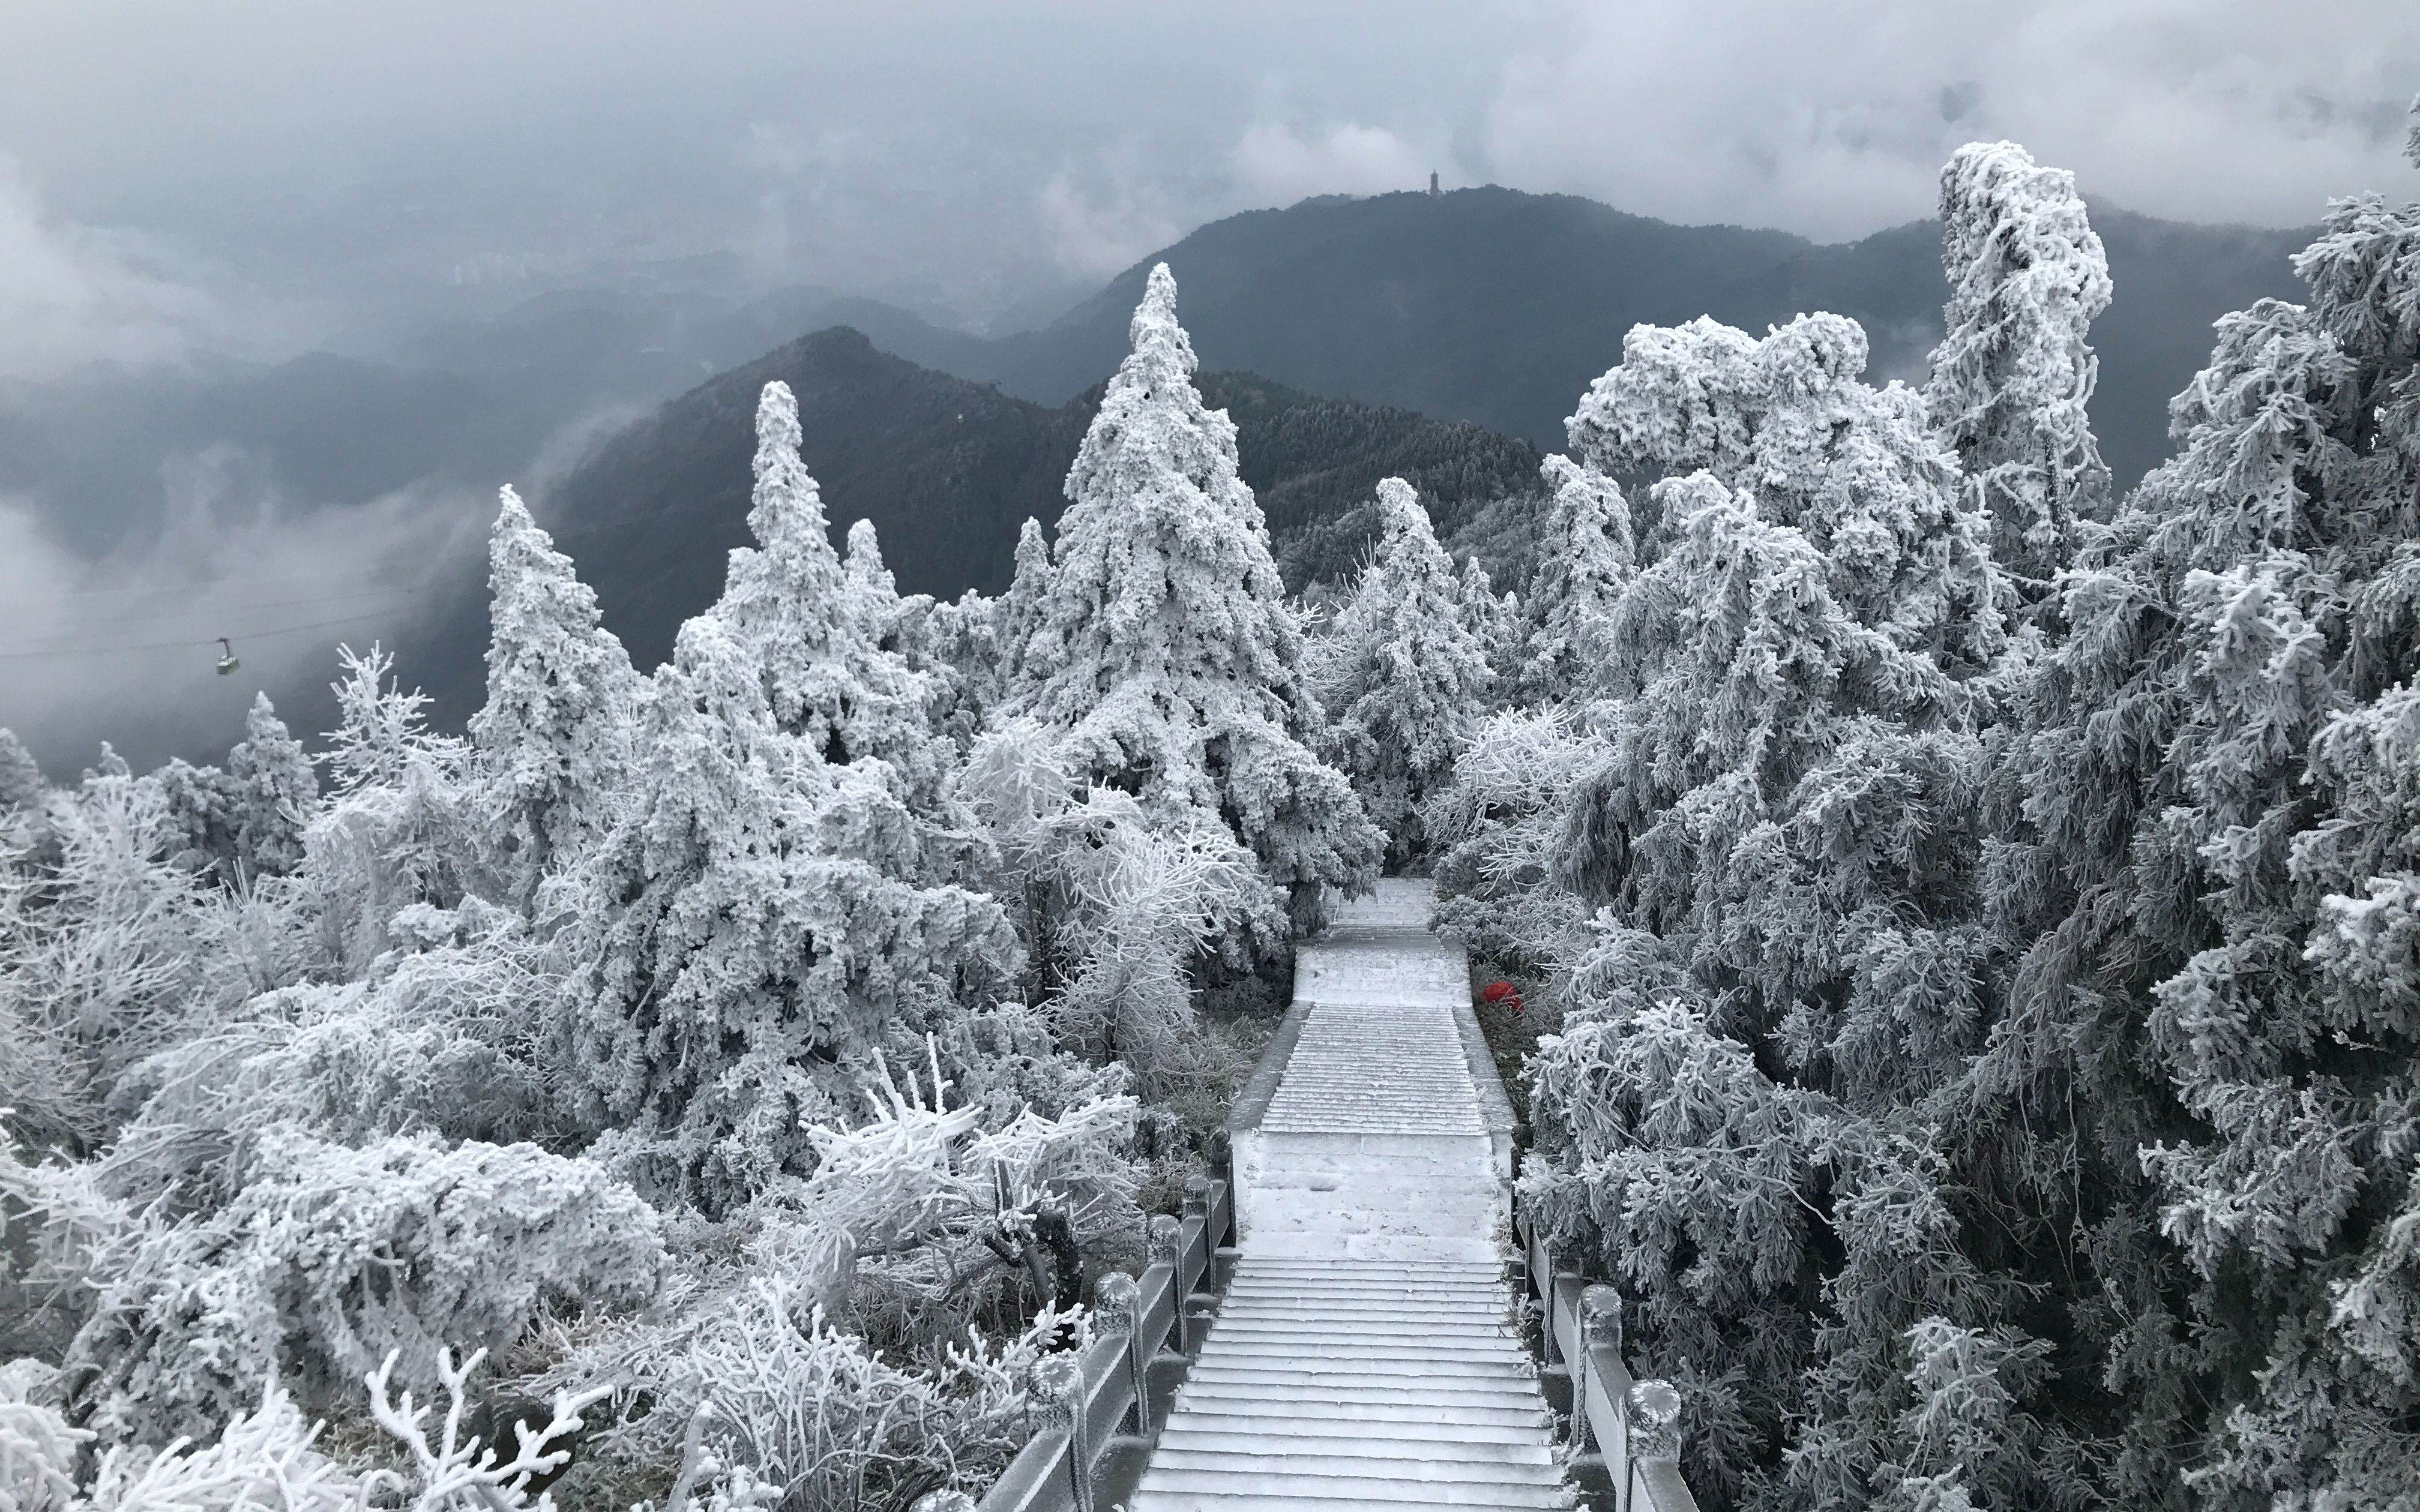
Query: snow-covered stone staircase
x=1366 y=1354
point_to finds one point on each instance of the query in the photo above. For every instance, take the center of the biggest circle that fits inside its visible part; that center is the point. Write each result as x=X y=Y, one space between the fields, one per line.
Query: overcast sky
x=181 y=181
x=261 y=172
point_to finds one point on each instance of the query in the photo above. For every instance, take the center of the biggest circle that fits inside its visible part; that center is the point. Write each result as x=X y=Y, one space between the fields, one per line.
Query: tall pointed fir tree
x=246 y=821
x=1780 y=836
x=1403 y=673
x=1584 y=559
x=2211 y=893
x=1165 y=656
x=816 y=631
x=771 y=912
x=554 y=741
x=2015 y=371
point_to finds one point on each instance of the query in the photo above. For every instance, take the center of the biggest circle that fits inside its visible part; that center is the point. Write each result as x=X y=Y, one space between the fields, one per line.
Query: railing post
x=1118 y=1302
x=1058 y=1393
x=1600 y=1308
x=1168 y=1243
x=1654 y=1434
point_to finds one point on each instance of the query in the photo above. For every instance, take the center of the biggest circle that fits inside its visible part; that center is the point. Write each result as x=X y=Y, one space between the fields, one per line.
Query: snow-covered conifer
x=20 y=775
x=275 y=793
x=756 y=917
x=2012 y=376
x=1404 y=672
x=1586 y=557
x=1165 y=659
x=1780 y=815
x=790 y=600
x=552 y=742
x=2206 y=876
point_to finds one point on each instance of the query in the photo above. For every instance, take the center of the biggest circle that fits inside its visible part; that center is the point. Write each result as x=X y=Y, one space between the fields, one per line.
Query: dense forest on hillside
x=948 y=470
x=1972 y=903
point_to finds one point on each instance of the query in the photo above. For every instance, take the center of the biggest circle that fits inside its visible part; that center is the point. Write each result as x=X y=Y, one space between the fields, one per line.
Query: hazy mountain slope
x=949 y=469
x=1500 y=307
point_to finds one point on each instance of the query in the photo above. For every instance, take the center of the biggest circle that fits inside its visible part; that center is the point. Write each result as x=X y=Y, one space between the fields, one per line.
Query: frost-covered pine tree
x=1019 y=612
x=2014 y=372
x=1586 y=558
x=247 y=821
x=771 y=910
x=1778 y=827
x=1164 y=658
x=816 y=631
x=2214 y=784
x=1403 y=673
x=20 y=775
x=553 y=742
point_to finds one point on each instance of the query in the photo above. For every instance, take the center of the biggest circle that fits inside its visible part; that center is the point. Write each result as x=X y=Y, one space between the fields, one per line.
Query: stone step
x=1386 y=1302
x=1259 y=1501
x=1440 y=1293
x=1343 y=1375
x=1386 y=1420
x=1347 y=1440
x=1340 y=1481
x=1456 y=1327
x=1353 y=1457
x=1358 y=1345
x=1374 y=1391
x=1469 y=1415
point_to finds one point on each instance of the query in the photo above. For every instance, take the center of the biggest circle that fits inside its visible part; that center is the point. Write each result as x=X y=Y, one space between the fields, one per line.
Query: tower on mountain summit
x=1433 y=191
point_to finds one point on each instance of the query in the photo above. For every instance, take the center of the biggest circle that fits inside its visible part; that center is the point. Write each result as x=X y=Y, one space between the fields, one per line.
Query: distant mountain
x=1500 y=307
x=948 y=470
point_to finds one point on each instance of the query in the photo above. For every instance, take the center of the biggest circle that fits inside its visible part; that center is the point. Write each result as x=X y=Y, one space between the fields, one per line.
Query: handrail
x=1629 y=1430
x=1096 y=1410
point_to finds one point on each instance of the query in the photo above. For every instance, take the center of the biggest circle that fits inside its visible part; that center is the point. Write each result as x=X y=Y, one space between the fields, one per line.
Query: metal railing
x=1100 y=1409
x=1625 y=1433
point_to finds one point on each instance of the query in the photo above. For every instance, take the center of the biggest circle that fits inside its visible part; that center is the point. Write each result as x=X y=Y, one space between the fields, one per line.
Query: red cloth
x=1501 y=991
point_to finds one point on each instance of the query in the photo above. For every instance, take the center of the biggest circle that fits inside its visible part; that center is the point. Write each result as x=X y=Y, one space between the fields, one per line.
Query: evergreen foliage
x=2013 y=373
x=1404 y=672
x=553 y=740
x=1165 y=661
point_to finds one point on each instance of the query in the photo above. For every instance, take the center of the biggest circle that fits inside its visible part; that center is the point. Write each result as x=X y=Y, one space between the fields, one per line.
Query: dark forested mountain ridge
x=1497 y=306
x=949 y=469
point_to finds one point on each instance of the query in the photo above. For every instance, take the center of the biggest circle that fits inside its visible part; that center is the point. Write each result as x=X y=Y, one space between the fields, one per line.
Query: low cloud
x=1276 y=166
x=124 y=648
x=1834 y=120
x=72 y=295
x=1097 y=231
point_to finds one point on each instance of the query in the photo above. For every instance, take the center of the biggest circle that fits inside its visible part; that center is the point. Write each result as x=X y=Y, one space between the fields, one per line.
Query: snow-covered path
x=1366 y=1353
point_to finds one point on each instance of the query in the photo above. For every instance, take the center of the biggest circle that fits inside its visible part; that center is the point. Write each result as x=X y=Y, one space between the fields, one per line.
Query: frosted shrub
x=330 y=1257
x=456 y=1470
x=1121 y=904
x=780 y=1396
x=38 y=1445
x=97 y=938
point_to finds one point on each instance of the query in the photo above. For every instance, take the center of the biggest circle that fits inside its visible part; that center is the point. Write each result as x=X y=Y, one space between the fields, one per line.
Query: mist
x=194 y=200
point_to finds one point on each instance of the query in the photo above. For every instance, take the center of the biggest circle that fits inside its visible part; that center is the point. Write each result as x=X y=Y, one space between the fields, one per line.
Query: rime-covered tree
x=247 y=821
x=2012 y=376
x=1403 y=673
x=2205 y=880
x=1164 y=658
x=20 y=775
x=1018 y=614
x=552 y=742
x=767 y=914
x=1586 y=558
x=1779 y=829
x=789 y=598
